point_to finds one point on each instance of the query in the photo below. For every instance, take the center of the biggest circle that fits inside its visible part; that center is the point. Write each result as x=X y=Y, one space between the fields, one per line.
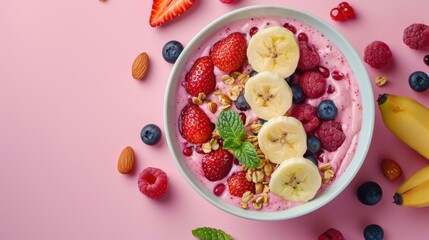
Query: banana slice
x=282 y=138
x=274 y=49
x=268 y=95
x=296 y=179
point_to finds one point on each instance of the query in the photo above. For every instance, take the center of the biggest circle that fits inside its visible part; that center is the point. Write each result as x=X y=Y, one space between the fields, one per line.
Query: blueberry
x=312 y=158
x=253 y=73
x=313 y=144
x=369 y=193
x=373 y=232
x=150 y=134
x=241 y=103
x=327 y=110
x=419 y=81
x=298 y=94
x=289 y=80
x=171 y=51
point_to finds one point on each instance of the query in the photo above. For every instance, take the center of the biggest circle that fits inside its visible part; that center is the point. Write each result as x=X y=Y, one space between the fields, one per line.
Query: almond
x=126 y=160
x=391 y=169
x=140 y=66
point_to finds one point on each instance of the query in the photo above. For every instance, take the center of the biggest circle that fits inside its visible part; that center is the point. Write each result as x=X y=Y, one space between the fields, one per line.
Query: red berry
x=308 y=57
x=349 y=12
x=201 y=78
x=416 y=36
x=331 y=234
x=307 y=114
x=238 y=184
x=313 y=84
x=337 y=15
x=219 y=189
x=343 y=4
x=330 y=134
x=229 y=53
x=243 y=117
x=199 y=149
x=163 y=12
x=253 y=31
x=337 y=75
x=153 y=182
x=217 y=164
x=324 y=71
x=377 y=54
x=290 y=27
x=331 y=89
x=227 y=1
x=426 y=60
x=302 y=37
x=194 y=125
x=187 y=151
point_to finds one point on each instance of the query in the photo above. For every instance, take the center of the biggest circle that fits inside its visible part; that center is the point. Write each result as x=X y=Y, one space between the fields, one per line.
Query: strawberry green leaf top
x=206 y=233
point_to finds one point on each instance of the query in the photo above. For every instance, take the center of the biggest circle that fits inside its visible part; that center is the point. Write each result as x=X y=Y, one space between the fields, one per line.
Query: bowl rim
x=365 y=135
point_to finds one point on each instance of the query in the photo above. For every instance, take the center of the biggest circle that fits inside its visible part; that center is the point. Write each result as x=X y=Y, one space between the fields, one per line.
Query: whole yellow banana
x=407 y=119
x=414 y=192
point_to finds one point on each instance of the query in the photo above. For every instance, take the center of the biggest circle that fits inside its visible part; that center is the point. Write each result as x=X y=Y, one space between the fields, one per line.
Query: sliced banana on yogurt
x=274 y=49
x=282 y=138
x=297 y=179
x=268 y=95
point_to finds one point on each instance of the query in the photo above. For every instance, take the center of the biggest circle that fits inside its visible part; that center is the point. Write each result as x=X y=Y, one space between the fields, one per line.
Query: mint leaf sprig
x=207 y=233
x=232 y=130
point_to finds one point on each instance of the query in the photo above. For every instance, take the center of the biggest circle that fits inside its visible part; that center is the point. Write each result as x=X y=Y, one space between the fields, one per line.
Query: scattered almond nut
x=380 y=81
x=212 y=106
x=126 y=160
x=391 y=169
x=140 y=66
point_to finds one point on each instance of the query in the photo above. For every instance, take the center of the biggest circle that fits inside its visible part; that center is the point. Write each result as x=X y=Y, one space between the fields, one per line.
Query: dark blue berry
x=241 y=103
x=369 y=193
x=312 y=158
x=298 y=94
x=150 y=134
x=313 y=144
x=289 y=80
x=253 y=73
x=262 y=121
x=419 y=81
x=327 y=110
x=373 y=232
x=171 y=51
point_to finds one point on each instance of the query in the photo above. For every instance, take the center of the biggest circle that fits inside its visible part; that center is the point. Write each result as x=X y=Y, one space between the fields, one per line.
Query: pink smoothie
x=344 y=93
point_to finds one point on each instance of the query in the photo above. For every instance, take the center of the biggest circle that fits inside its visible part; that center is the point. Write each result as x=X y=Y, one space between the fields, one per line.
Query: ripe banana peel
x=407 y=119
x=414 y=192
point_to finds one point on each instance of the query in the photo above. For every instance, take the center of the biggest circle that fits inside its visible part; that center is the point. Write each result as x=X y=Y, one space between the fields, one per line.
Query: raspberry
x=331 y=234
x=416 y=36
x=308 y=57
x=307 y=114
x=331 y=135
x=312 y=83
x=377 y=54
x=153 y=182
x=238 y=184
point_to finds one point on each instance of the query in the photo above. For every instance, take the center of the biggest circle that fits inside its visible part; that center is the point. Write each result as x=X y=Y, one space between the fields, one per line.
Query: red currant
x=331 y=89
x=290 y=27
x=426 y=60
x=302 y=37
x=187 y=151
x=348 y=12
x=199 y=149
x=243 y=117
x=337 y=15
x=218 y=190
x=337 y=75
x=343 y=4
x=253 y=31
x=324 y=71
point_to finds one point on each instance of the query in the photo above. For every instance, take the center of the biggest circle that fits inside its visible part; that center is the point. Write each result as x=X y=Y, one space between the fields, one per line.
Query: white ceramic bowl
x=354 y=60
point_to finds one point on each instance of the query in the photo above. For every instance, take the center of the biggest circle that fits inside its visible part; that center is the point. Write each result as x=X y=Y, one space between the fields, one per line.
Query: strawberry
x=229 y=53
x=217 y=164
x=238 y=184
x=165 y=10
x=201 y=78
x=194 y=125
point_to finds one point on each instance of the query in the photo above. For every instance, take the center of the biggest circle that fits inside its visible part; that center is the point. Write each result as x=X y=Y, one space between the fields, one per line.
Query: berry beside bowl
x=258 y=120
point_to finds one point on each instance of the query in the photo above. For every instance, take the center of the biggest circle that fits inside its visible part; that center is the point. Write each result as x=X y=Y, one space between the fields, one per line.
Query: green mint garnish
x=206 y=233
x=232 y=130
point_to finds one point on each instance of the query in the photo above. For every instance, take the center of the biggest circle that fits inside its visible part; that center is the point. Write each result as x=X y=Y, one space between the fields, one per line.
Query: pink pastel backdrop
x=68 y=106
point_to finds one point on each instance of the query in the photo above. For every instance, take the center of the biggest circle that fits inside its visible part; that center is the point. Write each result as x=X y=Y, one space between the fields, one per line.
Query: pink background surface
x=68 y=106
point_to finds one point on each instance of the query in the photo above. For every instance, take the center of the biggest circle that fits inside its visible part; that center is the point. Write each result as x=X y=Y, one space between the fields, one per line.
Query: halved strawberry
x=165 y=10
x=238 y=184
x=194 y=125
x=229 y=53
x=201 y=78
x=217 y=164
